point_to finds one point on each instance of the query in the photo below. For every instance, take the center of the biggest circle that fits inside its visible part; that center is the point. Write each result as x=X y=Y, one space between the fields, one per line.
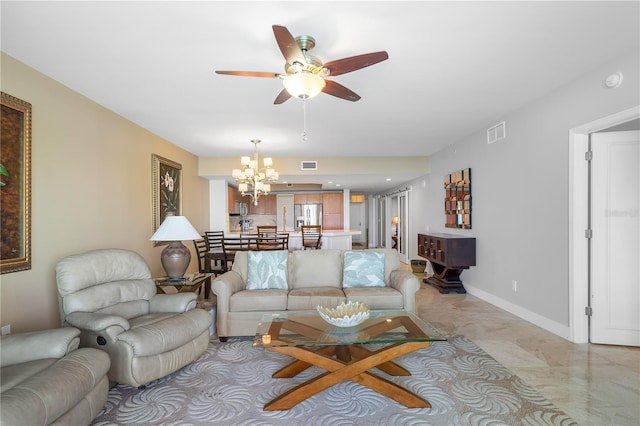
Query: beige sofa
x=314 y=277
x=46 y=379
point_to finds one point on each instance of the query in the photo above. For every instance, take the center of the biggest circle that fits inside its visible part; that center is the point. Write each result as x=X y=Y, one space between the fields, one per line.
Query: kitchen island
x=331 y=238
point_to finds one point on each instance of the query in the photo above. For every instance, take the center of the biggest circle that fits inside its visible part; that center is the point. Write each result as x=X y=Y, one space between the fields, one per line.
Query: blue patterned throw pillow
x=363 y=269
x=267 y=270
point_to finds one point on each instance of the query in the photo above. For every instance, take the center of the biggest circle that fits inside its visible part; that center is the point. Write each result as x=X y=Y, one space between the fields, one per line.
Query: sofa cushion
x=51 y=392
x=315 y=268
x=16 y=373
x=309 y=297
x=377 y=297
x=267 y=270
x=256 y=301
x=111 y=294
x=363 y=269
x=158 y=333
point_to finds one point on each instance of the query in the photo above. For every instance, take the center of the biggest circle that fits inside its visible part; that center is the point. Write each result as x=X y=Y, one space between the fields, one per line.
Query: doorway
x=381 y=224
x=579 y=268
x=397 y=238
x=358 y=221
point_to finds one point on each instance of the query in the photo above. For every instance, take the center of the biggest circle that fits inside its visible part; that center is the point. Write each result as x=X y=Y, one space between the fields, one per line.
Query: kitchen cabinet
x=267 y=205
x=332 y=210
x=315 y=198
x=233 y=197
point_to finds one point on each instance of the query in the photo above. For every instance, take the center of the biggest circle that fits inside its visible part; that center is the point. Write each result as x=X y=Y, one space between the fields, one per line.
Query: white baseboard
x=542 y=322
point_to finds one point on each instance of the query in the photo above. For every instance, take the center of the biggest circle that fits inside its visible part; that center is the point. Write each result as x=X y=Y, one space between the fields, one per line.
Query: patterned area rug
x=232 y=381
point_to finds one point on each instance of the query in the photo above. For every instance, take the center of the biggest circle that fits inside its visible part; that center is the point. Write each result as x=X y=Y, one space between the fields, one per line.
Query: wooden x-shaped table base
x=351 y=362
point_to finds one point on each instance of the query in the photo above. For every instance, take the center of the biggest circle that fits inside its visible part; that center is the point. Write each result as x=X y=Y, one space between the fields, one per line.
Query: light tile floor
x=594 y=384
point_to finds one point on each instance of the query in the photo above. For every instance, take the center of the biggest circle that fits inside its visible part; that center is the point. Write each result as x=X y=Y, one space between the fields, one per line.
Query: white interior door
x=615 y=245
x=382 y=223
x=357 y=221
x=403 y=228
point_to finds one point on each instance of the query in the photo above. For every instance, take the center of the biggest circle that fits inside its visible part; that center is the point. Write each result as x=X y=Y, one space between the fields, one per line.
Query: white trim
x=578 y=217
x=543 y=322
x=578 y=222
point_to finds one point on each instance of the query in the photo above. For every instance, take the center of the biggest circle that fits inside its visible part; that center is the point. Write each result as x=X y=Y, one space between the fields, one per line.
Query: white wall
x=520 y=190
x=91 y=189
x=218 y=217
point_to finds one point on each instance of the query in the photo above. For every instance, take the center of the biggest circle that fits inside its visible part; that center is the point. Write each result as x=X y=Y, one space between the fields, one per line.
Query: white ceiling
x=454 y=68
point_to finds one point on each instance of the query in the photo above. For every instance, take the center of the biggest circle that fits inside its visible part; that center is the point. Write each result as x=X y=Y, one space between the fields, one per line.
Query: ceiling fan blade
x=250 y=74
x=282 y=97
x=338 y=90
x=288 y=45
x=343 y=66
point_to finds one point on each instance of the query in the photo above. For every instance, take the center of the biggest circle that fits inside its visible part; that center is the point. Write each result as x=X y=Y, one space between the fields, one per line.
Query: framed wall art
x=15 y=185
x=167 y=189
x=457 y=199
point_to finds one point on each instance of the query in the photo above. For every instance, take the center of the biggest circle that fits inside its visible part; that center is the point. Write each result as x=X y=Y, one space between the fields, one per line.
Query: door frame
x=579 y=219
x=397 y=204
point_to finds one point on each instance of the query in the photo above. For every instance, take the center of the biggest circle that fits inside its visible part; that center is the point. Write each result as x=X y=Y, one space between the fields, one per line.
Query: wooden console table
x=449 y=255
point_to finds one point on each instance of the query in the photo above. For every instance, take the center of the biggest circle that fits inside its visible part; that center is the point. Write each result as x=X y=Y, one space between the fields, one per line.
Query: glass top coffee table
x=306 y=337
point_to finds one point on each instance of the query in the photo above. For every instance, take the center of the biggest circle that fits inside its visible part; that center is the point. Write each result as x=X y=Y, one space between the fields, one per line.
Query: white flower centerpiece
x=347 y=314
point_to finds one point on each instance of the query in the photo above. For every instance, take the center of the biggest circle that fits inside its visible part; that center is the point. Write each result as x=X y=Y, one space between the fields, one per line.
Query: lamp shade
x=394 y=219
x=175 y=228
x=304 y=85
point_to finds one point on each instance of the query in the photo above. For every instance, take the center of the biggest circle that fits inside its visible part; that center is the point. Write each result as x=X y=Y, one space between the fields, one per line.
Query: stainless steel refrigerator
x=307 y=214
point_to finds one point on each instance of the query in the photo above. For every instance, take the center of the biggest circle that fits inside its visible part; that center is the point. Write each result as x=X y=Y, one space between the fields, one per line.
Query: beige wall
x=91 y=188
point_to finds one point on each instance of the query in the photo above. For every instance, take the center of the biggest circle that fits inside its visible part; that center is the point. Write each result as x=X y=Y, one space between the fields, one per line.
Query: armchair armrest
x=23 y=347
x=407 y=284
x=96 y=322
x=178 y=302
x=224 y=286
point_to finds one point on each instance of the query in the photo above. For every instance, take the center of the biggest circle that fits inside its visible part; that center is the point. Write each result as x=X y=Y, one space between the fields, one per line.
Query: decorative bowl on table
x=347 y=314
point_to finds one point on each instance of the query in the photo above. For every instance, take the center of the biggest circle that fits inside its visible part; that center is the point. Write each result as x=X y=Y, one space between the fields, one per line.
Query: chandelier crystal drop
x=253 y=180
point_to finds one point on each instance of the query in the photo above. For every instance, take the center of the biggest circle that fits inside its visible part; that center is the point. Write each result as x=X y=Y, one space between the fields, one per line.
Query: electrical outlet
x=514 y=285
x=6 y=329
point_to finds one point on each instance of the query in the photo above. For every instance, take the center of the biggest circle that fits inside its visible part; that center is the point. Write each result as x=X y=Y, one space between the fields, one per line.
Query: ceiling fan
x=305 y=75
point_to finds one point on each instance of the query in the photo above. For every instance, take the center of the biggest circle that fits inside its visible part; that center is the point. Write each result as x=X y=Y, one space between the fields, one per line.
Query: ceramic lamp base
x=175 y=259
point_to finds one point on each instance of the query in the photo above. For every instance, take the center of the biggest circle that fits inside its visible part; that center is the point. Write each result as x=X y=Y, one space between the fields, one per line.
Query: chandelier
x=251 y=179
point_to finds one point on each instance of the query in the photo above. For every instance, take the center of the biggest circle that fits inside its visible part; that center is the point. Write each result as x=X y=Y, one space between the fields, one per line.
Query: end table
x=187 y=284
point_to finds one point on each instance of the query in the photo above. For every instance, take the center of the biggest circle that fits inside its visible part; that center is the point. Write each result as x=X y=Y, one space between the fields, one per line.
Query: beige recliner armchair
x=46 y=379
x=109 y=295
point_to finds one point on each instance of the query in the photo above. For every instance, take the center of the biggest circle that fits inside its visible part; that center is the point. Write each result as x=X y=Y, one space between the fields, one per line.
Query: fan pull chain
x=304 y=121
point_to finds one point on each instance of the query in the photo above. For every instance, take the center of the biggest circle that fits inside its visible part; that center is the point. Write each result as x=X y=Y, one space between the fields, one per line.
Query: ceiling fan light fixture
x=304 y=85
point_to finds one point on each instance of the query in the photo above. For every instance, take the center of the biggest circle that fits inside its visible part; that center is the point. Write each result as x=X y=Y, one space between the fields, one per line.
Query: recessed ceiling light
x=330 y=181
x=337 y=184
x=388 y=179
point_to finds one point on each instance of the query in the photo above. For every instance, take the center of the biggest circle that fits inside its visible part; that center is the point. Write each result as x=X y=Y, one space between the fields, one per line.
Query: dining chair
x=275 y=242
x=311 y=237
x=214 y=239
x=231 y=245
x=267 y=230
x=206 y=264
x=214 y=250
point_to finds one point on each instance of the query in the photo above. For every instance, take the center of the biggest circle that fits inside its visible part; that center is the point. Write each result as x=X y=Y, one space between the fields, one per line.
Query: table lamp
x=395 y=221
x=175 y=257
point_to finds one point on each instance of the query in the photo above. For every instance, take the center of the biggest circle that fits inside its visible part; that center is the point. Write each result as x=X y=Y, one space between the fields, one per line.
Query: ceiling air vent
x=497 y=132
x=309 y=165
